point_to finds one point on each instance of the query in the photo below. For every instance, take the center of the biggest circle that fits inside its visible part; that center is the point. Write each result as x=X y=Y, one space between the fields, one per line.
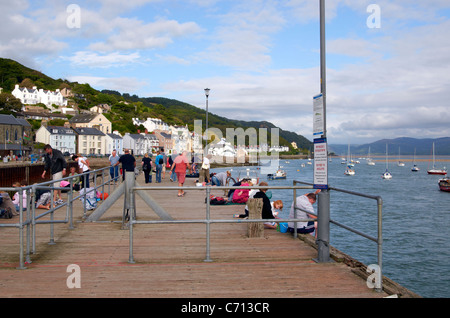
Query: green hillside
x=124 y=107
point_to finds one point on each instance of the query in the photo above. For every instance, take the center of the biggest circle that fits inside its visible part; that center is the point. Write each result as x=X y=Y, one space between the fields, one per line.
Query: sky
x=387 y=62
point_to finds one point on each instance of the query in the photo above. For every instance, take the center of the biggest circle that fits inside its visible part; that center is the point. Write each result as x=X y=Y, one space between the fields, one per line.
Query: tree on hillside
x=9 y=104
x=28 y=83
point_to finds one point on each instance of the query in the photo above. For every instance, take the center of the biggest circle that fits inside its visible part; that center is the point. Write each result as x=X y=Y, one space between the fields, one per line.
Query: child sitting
x=17 y=197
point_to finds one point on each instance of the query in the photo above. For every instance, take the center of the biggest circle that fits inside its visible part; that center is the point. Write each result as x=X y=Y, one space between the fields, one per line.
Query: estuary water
x=416 y=217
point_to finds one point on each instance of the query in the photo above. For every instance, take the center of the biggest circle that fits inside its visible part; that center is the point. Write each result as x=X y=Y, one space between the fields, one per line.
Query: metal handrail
x=28 y=218
x=207 y=220
x=378 y=239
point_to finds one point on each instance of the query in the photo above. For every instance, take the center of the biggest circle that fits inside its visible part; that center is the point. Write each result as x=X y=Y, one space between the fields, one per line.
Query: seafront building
x=35 y=96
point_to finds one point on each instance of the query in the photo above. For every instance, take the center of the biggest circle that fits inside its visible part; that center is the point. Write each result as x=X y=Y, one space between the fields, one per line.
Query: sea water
x=416 y=218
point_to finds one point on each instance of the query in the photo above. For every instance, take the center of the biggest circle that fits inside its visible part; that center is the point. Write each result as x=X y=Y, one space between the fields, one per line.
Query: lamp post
x=206 y=128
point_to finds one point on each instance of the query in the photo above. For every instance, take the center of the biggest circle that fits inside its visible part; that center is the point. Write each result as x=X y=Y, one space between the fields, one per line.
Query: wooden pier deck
x=169 y=258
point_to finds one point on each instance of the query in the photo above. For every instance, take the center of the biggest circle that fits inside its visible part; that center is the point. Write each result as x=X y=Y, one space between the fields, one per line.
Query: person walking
x=181 y=163
x=114 y=170
x=128 y=162
x=56 y=164
x=159 y=163
x=147 y=168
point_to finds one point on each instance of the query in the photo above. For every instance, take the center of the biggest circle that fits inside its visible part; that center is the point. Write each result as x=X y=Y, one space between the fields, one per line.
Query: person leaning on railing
x=303 y=203
x=56 y=163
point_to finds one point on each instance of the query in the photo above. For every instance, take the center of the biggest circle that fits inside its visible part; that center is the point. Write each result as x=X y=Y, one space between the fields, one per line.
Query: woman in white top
x=83 y=165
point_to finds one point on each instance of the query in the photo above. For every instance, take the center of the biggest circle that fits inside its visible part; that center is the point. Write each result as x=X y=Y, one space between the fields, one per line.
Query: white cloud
x=95 y=60
x=121 y=84
x=133 y=34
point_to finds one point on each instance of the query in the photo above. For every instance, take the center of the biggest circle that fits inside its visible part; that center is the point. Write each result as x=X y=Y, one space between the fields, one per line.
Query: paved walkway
x=169 y=258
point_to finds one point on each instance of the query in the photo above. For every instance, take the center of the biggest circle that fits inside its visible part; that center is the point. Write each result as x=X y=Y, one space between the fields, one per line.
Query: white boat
x=386 y=174
x=434 y=170
x=414 y=168
x=400 y=163
x=370 y=162
x=279 y=174
x=349 y=171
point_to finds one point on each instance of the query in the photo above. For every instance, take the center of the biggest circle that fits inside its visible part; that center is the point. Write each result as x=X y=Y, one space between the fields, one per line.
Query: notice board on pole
x=320 y=164
x=318 y=116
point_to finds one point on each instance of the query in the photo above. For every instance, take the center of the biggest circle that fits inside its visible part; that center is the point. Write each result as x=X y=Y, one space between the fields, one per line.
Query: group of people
x=178 y=164
x=271 y=210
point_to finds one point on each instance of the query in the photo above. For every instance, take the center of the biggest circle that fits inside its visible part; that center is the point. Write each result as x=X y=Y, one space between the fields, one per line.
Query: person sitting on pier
x=220 y=179
x=267 y=207
x=17 y=197
x=242 y=195
x=277 y=206
x=305 y=203
x=43 y=199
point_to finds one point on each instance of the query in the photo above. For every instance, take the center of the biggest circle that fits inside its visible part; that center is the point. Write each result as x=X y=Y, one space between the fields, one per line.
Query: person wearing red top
x=180 y=164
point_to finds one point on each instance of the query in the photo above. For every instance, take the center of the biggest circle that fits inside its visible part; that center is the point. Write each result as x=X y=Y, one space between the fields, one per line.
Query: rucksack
x=216 y=200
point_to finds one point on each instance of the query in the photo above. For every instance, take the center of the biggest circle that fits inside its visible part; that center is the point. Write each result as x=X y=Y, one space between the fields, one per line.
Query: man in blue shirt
x=159 y=162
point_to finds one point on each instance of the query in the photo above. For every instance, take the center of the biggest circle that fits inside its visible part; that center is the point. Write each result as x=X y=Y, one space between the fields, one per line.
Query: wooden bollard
x=254 y=212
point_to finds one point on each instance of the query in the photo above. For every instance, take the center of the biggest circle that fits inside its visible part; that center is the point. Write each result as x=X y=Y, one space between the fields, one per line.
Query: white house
x=134 y=142
x=90 y=141
x=114 y=141
x=61 y=138
x=152 y=124
x=34 y=96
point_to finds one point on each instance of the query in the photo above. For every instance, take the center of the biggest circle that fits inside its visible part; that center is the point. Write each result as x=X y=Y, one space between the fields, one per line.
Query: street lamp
x=206 y=128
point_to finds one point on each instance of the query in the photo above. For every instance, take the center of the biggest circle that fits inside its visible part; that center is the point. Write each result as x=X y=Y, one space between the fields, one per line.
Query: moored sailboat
x=434 y=170
x=414 y=168
x=386 y=174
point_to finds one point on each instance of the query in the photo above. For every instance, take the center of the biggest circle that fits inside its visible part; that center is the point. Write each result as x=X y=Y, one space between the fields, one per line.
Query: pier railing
x=30 y=216
x=28 y=219
x=324 y=215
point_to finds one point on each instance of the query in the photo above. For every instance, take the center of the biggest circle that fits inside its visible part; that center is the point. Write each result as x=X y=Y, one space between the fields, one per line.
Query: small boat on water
x=279 y=174
x=386 y=174
x=444 y=184
x=349 y=171
x=370 y=162
x=434 y=170
x=400 y=163
x=414 y=168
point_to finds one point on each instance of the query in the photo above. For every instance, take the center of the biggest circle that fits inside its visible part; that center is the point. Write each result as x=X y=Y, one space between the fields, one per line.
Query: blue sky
x=260 y=58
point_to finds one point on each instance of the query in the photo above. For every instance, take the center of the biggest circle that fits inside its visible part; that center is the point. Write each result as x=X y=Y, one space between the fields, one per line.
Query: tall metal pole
x=206 y=127
x=323 y=208
x=323 y=70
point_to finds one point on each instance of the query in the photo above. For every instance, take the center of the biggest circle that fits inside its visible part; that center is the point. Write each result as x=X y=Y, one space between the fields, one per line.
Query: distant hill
x=405 y=144
x=124 y=107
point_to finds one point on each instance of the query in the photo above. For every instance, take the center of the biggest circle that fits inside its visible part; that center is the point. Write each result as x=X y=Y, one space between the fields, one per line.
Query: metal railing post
x=208 y=193
x=21 y=258
x=323 y=226
x=132 y=215
x=380 y=245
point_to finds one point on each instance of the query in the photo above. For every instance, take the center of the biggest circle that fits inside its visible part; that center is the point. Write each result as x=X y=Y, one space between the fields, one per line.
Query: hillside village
x=90 y=133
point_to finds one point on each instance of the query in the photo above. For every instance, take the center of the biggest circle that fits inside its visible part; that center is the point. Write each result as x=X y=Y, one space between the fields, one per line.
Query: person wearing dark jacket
x=56 y=164
x=267 y=207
